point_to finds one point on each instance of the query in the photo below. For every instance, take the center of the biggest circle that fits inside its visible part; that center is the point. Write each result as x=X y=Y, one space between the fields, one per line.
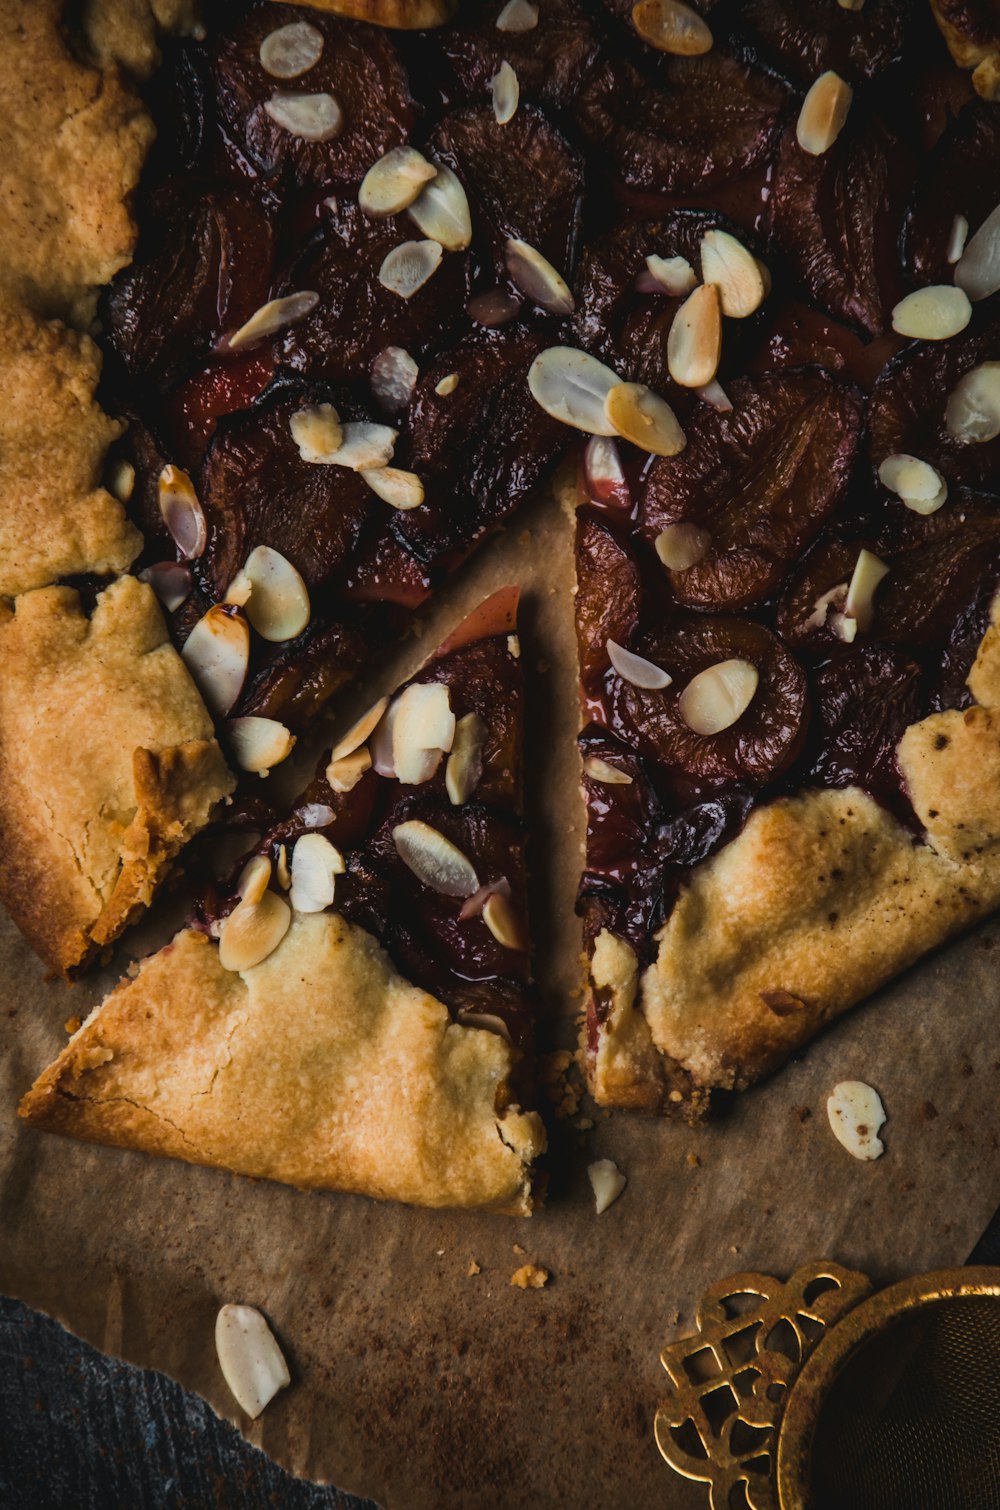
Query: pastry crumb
x=473 y=1269
x=693 y=1160
x=519 y=1250
x=71 y=1025
x=563 y=1083
x=530 y=1277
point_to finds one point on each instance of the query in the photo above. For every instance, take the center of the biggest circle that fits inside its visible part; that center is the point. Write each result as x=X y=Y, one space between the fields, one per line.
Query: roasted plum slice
x=807 y=612
x=358 y=70
x=608 y=595
x=257 y=490
x=761 y=479
x=762 y=742
x=220 y=387
x=837 y=217
x=696 y=123
x=357 y=316
x=807 y=37
x=958 y=178
x=294 y=685
x=202 y=270
x=623 y=816
x=863 y=700
x=946 y=562
x=907 y=412
x=550 y=61
x=522 y=179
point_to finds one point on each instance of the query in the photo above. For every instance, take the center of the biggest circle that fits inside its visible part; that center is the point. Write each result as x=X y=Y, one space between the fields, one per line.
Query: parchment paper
x=418 y=1383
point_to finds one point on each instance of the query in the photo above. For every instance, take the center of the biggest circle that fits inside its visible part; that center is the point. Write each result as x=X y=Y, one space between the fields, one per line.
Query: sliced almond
x=276 y=315
x=609 y=775
x=181 y=512
x=932 y=314
x=251 y=1361
x=713 y=393
x=217 y=654
x=394 y=377
x=604 y=473
x=252 y=931
x=434 y=860
x=824 y=111
x=315 y=815
x=259 y=743
x=506 y=92
x=401 y=490
x=423 y=731
x=409 y=266
x=518 y=16
x=494 y=307
x=607 y=1183
x=344 y=773
x=381 y=741
x=504 y=922
x=694 y=343
x=851 y=4
x=121 y=479
x=361 y=731
x=447 y=385
x=254 y=879
x=645 y=419
x=291 y=50
x=681 y=546
x=318 y=433
x=473 y=906
x=465 y=763
x=860 y=604
x=672 y=27
x=572 y=386
x=978 y=269
x=366 y=446
x=282 y=874
x=537 y=279
x=972 y=413
x=488 y=1022
x=856 y=1114
x=315 y=865
x=674 y=275
x=636 y=669
x=735 y=272
x=718 y=696
x=442 y=212
x=920 y=486
x=835 y=598
x=311 y=117
x=170 y=580
x=278 y=605
x=957 y=237
x=393 y=183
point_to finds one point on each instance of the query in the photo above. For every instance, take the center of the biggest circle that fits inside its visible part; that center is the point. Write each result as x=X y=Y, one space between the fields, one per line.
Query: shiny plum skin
x=959 y=178
x=550 y=61
x=607 y=599
x=863 y=700
x=805 y=38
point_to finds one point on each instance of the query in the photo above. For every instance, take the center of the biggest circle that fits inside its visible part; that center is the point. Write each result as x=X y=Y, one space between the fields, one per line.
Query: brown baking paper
x=424 y=1385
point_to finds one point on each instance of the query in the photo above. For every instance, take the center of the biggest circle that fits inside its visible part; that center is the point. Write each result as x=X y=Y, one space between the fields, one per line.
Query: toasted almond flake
x=441 y=211
x=401 y=490
x=282 y=874
x=239 y=590
x=844 y=628
x=473 y=906
x=254 y=879
x=609 y=775
x=181 y=512
x=361 y=731
x=315 y=865
x=318 y=433
x=645 y=419
x=824 y=111
x=217 y=653
x=514 y=646
x=957 y=238
x=170 y=580
x=972 y=413
x=121 y=479
x=506 y=92
x=851 y=4
x=713 y=393
x=291 y=51
x=537 y=279
x=920 y=486
x=670 y=26
x=504 y=922
x=344 y=773
x=316 y=815
x=604 y=473
x=434 y=860
x=735 y=272
x=381 y=741
x=856 y=1113
x=860 y=604
x=518 y=16
x=366 y=446
x=494 y=307
x=694 y=343
x=719 y=696
x=674 y=275
x=978 y=269
x=465 y=763
x=607 y=1183
x=636 y=669
x=932 y=314
x=394 y=377
x=251 y=1361
x=252 y=931
x=681 y=546
x=393 y=183
x=409 y=266
x=447 y=385
x=488 y=1023
x=259 y=743
x=278 y=605
x=423 y=731
x=311 y=117
x=275 y=315
x=572 y=386
x=835 y=598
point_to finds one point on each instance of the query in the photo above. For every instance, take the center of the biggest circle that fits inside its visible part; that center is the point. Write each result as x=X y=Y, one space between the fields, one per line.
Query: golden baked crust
x=107 y=764
x=320 y=1067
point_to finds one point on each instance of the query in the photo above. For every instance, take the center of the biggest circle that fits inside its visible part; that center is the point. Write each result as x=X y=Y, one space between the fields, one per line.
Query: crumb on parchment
x=473 y=1269
x=530 y=1277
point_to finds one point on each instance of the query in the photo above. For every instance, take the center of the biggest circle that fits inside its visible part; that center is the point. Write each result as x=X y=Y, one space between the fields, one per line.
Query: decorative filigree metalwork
x=730 y=1379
